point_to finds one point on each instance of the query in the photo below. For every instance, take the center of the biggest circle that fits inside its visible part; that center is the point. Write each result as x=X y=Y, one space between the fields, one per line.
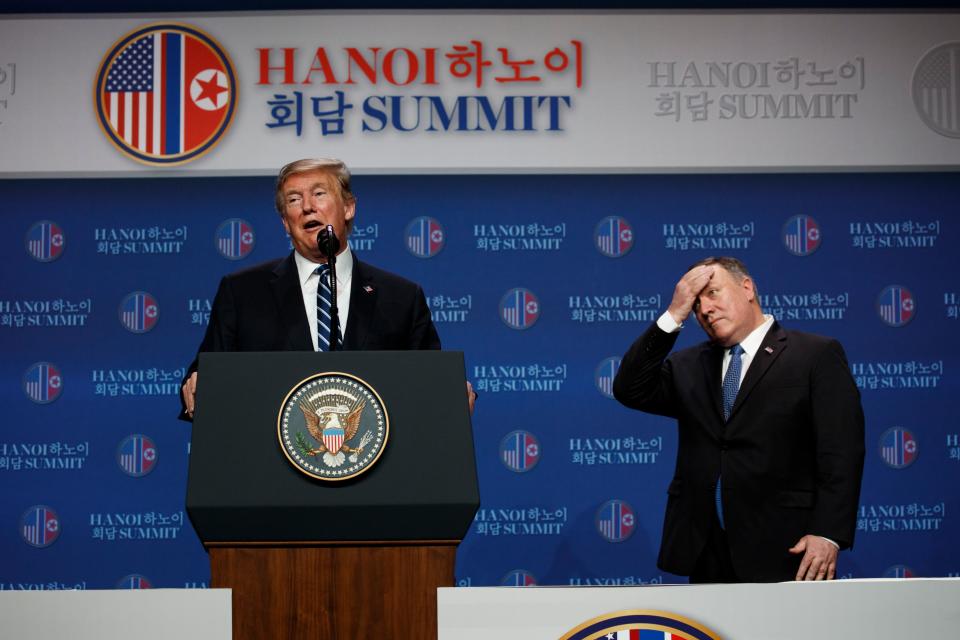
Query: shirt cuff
x=830 y=541
x=667 y=324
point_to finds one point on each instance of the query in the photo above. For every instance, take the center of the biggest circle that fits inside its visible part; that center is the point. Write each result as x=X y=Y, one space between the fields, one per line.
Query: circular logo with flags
x=899 y=571
x=40 y=526
x=45 y=241
x=518 y=578
x=519 y=451
x=898 y=447
x=139 y=312
x=42 y=382
x=137 y=455
x=605 y=373
x=333 y=426
x=615 y=521
x=424 y=237
x=801 y=235
x=234 y=239
x=613 y=237
x=519 y=308
x=641 y=624
x=133 y=581
x=165 y=94
x=936 y=83
x=896 y=305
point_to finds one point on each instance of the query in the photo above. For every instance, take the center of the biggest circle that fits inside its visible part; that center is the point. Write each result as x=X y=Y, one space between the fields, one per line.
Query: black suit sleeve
x=645 y=378
x=838 y=426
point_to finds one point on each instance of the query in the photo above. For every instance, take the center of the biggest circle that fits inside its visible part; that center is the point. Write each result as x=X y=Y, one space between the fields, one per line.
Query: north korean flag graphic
x=139 y=312
x=519 y=308
x=896 y=305
x=801 y=235
x=165 y=94
x=520 y=451
x=424 y=237
x=615 y=521
x=898 y=447
x=43 y=383
x=235 y=239
x=40 y=526
x=613 y=237
x=137 y=455
x=45 y=241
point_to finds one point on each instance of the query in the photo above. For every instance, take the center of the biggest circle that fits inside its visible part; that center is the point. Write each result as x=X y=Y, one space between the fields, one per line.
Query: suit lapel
x=289 y=299
x=774 y=343
x=711 y=359
x=363 y=302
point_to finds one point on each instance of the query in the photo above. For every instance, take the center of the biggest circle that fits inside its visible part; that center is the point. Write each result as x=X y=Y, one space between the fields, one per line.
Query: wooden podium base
x=337 y=591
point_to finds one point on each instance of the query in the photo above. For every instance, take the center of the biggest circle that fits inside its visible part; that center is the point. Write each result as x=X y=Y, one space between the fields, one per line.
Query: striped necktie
x=731 y=385
x=324 y=300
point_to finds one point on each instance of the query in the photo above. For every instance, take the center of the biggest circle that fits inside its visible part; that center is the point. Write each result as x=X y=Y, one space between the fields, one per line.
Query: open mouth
x=313 y=224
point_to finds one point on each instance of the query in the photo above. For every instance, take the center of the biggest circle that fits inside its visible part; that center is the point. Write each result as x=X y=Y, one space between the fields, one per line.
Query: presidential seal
x=332 y=426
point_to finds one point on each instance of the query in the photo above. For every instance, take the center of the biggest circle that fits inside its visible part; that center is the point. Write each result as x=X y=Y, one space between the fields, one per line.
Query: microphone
x=327 y=242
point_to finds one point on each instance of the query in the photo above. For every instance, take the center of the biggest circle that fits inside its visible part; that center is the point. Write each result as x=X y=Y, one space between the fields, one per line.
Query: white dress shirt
x=309 y=281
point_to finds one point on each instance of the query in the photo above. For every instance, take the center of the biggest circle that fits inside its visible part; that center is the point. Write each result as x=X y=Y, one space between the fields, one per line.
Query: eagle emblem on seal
x=333 y=426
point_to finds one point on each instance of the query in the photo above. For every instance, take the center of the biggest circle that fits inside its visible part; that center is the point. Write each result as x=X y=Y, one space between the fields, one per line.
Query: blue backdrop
x=542 y=281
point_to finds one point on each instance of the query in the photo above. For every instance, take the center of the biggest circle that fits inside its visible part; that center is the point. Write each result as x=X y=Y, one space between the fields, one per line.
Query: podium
x=309 y=558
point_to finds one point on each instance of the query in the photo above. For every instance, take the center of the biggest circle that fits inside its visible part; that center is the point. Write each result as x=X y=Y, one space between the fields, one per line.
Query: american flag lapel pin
x=768 y=349
x=368 y=288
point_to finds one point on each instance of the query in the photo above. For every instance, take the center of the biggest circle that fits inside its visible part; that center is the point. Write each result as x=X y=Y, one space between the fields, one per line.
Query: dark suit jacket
x=261 y=309
x=791 y=454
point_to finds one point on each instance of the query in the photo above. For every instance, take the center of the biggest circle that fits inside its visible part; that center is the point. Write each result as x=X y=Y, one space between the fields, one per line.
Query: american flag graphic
x=40 y=526
x=801 y=235
x=519 y=308
x=605 y=374
x=896 y=305
x=898 y=447
x=615 y=521
x=520 y=451
x=614 y=236
x=45 y=241
x=166 y=93
x=936 y=89
x=137 y=455
x=43 y=382
x=424 y=237
x=139 y=312
x=235 y=239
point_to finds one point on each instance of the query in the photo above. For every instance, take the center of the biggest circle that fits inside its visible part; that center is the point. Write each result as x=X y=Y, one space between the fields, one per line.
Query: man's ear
x=750 y=289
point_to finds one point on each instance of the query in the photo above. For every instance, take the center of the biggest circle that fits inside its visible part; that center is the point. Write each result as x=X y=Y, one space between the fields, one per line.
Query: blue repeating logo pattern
x=898 y=447
x=424 y=237
x=518 y=578
x=801 y=235
x=519 y=308
x=235 y=239
x=45 y=241
x=139 y=312
x=520 y=451
x=613 y=237
x=615 y=521
x=605 y=373
x=43 y=383
x=137 y=455
x=896 y=305
x=40 y=526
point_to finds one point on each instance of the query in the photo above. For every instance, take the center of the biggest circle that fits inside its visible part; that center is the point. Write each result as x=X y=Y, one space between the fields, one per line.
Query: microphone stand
x=329 y=245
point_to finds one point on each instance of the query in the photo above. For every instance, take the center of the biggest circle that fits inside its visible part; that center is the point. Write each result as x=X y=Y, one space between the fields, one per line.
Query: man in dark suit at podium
x=284 y=304
x=770 y=451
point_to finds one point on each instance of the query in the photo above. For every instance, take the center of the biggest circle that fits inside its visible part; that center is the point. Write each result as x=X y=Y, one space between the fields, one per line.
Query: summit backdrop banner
x=491 y=92
x=547 y=179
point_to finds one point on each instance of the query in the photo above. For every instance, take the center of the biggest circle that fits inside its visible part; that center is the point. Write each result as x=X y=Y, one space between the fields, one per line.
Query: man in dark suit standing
x=278 y=305
x=770 y=451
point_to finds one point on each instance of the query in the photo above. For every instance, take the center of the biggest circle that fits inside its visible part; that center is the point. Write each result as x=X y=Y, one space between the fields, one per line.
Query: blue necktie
x=731 y=385
x=324 y=300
